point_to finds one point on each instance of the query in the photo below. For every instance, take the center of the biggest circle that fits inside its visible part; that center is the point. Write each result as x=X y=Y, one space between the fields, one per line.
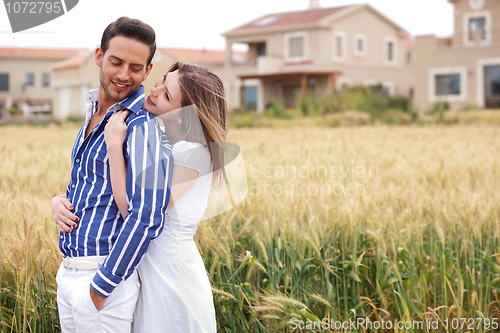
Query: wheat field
x=392 y=224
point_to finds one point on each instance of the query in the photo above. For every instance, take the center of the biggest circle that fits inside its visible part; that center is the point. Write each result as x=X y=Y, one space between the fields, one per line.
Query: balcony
x=269 y=65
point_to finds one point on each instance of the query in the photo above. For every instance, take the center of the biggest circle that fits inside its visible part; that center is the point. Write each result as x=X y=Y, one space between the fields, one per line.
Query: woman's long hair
x=203 y=101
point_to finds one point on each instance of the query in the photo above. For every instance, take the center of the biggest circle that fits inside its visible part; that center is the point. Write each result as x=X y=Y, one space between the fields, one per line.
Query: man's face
x=123 y=67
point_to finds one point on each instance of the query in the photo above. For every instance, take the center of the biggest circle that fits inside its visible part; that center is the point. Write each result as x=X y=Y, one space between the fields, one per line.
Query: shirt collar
x=133 y=103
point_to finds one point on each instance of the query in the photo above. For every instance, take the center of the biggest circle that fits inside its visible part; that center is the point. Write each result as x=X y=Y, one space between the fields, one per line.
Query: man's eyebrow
x=112 y=56
x=115 y=57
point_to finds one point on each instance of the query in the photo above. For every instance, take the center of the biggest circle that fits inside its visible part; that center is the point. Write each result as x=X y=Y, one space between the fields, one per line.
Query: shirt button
x=77 y=160
x=61 y=236
x=73 y=186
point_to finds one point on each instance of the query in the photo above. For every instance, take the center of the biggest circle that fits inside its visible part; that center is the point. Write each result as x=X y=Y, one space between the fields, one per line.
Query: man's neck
x=103 y=102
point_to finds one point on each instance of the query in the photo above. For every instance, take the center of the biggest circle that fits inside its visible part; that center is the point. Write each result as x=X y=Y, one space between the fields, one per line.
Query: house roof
x=200 y=55
x=288 y=18
x=70 y=62
x=187 y=55
x=21 y=52
x=306 y=18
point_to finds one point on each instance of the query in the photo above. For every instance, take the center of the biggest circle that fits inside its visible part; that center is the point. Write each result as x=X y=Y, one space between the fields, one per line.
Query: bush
x=372 y=100
x=439 y=109
x=355 y=118
x=277 y=110
x=484 y=117
x=308 y=105
x=394 y=117
x=329 y=104
x=13 y=110
x=76 y=119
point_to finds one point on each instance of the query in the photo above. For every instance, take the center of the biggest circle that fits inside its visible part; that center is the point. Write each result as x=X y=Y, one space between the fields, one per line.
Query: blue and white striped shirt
x=102 y=230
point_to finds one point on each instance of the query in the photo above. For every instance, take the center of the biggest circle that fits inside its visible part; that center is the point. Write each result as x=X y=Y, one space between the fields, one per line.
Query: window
x=447 y=85
x=4 y=82
x=339 y=52
x=487 y=82
x=296 y=47
x=492 y=77
x=261 y=49
x=29 y=79
x=251 y=97
x=492 y=86
x=477 y=27
x=46 y=79
x=360 y=45
x=390 y=51
x=339 y=46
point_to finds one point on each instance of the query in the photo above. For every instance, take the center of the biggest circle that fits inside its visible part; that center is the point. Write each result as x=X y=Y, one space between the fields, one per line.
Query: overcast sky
x=199 y=23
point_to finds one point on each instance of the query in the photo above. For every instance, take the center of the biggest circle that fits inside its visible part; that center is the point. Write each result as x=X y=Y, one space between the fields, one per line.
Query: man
x=97 y=282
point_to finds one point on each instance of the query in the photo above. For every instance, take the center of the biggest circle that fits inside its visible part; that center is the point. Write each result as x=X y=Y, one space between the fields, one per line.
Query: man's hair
x=130 y=28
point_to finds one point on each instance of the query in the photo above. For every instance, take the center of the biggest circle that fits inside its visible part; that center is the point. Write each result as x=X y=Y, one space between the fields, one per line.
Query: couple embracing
x=137 y=192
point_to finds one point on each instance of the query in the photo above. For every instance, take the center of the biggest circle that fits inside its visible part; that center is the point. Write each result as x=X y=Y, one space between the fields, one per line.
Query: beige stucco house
x=464 y=69
x=73 y=77
x=316 y=51
x=25 y=75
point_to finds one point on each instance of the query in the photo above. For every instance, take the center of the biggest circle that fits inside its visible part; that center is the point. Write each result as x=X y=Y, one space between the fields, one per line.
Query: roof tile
x=20 y=52
x=290 y=18
x=199 y=55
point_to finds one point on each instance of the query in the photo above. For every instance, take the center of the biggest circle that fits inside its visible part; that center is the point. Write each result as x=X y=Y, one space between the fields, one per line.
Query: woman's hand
x=116 y=130
x=62 y=210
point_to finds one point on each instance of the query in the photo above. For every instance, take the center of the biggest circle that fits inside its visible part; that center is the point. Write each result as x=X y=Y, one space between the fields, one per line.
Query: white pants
x=77 y=312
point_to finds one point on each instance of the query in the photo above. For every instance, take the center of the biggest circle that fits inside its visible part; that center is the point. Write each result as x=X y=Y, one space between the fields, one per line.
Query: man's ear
x=99 y=55
x=147 y=71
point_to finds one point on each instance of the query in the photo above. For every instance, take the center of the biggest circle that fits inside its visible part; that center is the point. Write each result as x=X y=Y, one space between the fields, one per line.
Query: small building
x=25 y=75
x=316 y=51
x=462 y=70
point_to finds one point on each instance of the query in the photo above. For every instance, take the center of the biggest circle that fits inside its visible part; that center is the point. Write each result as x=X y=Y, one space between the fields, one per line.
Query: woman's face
x=165 y=96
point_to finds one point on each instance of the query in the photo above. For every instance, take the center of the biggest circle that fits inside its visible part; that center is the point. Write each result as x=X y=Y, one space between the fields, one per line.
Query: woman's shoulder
x=191 y=154
x=185 y=145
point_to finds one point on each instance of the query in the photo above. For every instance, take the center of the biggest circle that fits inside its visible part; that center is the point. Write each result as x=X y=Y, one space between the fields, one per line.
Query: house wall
x=371 y=67
x=17 y=68
x=368 y=69
x=432 y=58
x=463 y=9
x=73 y=81
x=375 y=29
x=435 y=56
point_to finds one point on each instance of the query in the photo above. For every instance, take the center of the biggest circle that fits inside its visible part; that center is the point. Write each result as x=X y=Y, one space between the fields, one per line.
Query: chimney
x=314 y=4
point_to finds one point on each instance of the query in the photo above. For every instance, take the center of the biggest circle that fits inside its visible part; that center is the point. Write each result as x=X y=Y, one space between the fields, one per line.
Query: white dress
x=175 y=294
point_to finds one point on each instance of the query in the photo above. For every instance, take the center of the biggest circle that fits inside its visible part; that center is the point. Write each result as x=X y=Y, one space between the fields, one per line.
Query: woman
x=175 y=291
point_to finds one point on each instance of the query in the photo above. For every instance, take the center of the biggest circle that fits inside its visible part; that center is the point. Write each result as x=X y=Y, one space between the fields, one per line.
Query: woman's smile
x=150 y=101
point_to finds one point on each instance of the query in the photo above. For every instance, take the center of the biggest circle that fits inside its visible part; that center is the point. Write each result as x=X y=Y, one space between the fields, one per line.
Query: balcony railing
x=269 y=65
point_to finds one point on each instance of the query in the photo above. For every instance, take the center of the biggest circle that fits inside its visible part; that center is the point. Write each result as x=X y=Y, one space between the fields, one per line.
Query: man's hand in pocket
x=97 y=299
